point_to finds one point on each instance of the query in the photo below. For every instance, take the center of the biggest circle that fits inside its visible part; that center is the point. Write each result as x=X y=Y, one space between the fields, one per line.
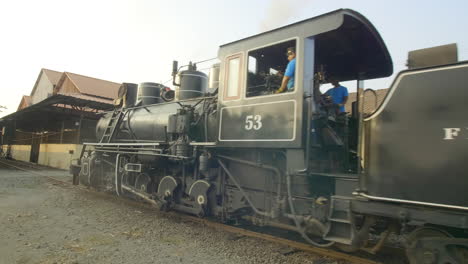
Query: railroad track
x=20 y=166
x=215 y=225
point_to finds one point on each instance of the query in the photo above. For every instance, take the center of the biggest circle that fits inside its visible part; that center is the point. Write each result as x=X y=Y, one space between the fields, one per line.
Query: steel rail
x=286 y=242
x=226 y=228
x=33 y=172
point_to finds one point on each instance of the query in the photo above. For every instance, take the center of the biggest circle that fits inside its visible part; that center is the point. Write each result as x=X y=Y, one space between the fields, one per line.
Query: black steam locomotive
x=227 y=146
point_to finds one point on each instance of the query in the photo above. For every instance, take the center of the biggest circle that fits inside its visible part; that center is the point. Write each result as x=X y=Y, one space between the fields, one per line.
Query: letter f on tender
x=450 y=133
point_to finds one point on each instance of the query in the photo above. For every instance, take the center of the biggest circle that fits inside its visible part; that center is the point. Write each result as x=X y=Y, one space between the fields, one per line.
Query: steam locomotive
x=226 y=146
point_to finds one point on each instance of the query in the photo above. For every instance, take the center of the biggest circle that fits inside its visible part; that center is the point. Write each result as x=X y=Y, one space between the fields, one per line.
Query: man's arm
x=345 y=99
x=345 y=96
x=284 y=84
x=288 y=74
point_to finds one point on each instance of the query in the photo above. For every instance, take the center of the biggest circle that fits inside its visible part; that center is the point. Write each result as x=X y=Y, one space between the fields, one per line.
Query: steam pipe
x=360 y=144
x=206 y=126
x=296 y=220
x=117 y=159
x=175 y=65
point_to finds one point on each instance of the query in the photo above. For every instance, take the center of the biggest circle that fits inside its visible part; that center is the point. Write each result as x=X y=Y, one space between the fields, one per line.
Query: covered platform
x=51 y=131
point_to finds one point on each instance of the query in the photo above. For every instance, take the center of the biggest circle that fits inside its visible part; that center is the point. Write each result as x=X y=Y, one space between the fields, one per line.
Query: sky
x=137 y=40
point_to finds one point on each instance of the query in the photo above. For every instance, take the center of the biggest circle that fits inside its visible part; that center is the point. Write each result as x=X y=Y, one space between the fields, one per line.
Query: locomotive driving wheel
x=199 y=194
x=166 y=193
x=142 y=183
x=429 y=245
x=128 y=178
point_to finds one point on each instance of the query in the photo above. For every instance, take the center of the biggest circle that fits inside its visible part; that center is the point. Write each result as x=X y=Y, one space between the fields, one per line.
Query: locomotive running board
x=353 y=176
x=202 y=143
x=121 y=144
x=385 y=199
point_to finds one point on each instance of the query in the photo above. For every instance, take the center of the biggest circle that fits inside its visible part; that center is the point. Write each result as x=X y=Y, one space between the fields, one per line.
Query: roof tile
x=92 y=86
x=370 y=102
x=53 y=76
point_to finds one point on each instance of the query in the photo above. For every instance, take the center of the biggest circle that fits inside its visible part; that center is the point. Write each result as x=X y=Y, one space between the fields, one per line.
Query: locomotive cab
x=342 y=45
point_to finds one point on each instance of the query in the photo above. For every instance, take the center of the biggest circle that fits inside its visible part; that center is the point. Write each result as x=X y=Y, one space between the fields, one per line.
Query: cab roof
x=346 y=43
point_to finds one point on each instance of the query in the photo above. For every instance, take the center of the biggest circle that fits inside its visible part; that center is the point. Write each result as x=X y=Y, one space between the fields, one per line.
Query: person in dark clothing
x=338 y=94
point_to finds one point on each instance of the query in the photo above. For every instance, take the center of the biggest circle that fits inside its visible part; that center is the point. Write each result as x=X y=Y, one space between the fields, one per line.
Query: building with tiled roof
x=25 y=102
x=372 y=100
x=44 y=86
x=60 y=113
x=73 y=84
x=51 y=83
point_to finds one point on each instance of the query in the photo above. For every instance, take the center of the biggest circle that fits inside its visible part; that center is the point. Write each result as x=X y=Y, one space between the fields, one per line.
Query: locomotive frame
x=289 y=160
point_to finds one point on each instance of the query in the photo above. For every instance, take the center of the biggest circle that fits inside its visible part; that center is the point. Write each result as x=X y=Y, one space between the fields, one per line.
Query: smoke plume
x=279 y=13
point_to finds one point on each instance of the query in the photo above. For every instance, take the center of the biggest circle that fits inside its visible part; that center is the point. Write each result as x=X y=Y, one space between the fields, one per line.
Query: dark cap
x=333 y=80
x=291 y=49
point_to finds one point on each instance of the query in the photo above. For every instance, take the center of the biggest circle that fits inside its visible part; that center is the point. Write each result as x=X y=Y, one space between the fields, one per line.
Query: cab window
x=266 y=67
x=232 y=85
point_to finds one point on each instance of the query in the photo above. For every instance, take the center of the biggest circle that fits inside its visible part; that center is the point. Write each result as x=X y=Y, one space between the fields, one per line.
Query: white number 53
x=253 y=122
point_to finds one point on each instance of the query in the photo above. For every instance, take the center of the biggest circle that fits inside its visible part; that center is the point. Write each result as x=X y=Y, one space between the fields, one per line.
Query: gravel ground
x=42 y=222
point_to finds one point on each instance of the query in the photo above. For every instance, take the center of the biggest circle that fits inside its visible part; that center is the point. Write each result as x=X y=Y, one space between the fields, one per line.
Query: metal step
x=341 y=222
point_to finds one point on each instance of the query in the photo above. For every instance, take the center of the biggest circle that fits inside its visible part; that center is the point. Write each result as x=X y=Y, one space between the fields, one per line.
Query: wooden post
x=79 y=130
x=61 y=131
x=14 y=136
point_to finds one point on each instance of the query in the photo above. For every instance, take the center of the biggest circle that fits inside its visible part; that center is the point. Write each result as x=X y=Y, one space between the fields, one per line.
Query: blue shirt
x=290 y=69
x=338 y=94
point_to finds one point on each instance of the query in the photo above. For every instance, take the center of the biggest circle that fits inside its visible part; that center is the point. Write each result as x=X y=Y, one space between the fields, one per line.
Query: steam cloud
x=280 y=11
